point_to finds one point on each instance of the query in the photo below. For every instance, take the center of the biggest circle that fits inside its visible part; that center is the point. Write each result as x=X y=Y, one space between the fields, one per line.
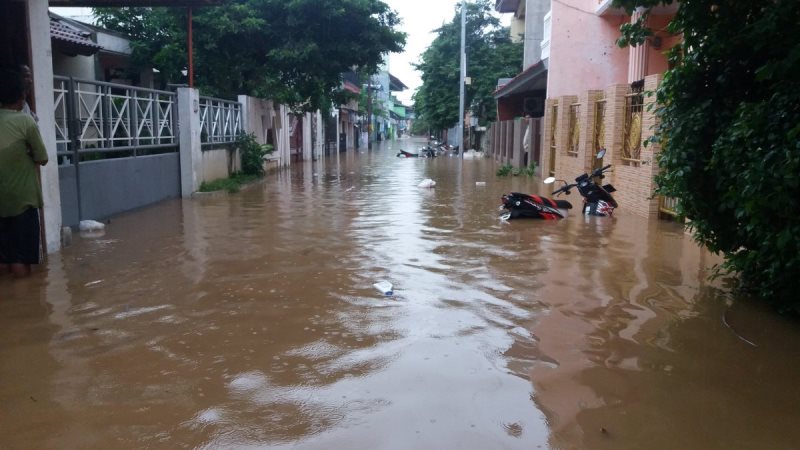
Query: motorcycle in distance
x=597 y=199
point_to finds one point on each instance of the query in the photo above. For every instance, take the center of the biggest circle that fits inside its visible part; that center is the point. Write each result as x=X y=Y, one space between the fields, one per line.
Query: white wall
x=215 y=164
x=79 y=66
x=113 y=43
x=260 y=115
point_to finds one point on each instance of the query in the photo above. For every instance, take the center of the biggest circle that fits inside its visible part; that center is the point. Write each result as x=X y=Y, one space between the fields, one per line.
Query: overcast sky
x=420 y=18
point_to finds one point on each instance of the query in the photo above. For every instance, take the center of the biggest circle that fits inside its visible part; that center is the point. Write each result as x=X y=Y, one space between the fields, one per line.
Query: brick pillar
x=565 y=164
x=547 y=135
x=585 y=153
x=649 y=123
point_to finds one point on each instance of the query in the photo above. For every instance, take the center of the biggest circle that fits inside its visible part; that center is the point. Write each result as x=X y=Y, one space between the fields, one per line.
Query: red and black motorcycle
x=518 y=205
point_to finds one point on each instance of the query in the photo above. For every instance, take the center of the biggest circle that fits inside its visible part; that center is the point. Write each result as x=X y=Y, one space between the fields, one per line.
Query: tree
x=490 y=55
x=291 y=51
x=729 y=129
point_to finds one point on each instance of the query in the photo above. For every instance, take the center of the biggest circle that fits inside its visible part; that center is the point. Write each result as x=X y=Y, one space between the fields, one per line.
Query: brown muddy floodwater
x=249 y=321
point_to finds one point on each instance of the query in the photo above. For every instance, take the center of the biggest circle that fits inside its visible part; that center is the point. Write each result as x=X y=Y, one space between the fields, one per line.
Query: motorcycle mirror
x=549 y=180
x=601 y=153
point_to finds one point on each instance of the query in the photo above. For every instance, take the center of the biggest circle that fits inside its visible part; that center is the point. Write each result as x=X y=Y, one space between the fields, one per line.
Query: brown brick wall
x=633 y=181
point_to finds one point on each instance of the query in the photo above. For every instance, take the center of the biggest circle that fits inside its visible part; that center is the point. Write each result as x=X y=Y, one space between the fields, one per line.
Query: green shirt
x=21 y=147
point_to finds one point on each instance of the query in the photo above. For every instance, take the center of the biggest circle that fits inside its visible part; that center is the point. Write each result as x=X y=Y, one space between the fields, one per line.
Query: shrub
x=730 y=136
x=504 y=170
x=252 y=154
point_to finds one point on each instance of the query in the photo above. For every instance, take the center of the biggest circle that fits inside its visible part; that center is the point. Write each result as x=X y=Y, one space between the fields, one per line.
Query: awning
x=506 y=6
x=72 y=40
x=531 y=79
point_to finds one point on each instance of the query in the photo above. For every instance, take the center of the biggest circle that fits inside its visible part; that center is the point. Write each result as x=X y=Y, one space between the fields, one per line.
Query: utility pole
x=462 y=79
x=369 y=112
x=190 y=71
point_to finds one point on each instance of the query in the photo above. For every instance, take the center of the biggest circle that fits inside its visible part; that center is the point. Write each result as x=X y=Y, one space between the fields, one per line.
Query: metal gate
x=117 y=147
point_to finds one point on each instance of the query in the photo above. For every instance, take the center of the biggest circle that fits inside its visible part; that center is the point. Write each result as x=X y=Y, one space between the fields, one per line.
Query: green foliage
x=505 y=170
x=528 y=171
x=729 y=129
x=232 y=184
x=252 y=154
x=490 y=55
x=291 y=51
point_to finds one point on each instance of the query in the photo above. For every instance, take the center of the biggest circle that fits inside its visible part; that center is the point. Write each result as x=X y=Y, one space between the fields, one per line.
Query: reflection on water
x=250 y=321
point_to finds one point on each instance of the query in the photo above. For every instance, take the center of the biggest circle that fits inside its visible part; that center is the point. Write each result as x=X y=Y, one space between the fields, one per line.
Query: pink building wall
x=583 y=50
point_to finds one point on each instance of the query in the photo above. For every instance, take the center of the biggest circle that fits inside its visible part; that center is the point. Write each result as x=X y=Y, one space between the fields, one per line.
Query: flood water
x=249 y=321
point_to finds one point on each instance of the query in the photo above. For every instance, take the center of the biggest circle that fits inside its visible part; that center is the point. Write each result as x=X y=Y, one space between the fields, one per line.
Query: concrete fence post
x=191 y=156
x=42 y=66
x=518 y=150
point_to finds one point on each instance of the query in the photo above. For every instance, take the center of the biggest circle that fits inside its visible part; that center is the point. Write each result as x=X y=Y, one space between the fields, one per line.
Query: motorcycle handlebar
x=564 y=188
x=600 y=171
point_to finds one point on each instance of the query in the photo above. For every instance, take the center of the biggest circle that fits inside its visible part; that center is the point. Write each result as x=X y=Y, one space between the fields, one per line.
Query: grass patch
x=231 y=184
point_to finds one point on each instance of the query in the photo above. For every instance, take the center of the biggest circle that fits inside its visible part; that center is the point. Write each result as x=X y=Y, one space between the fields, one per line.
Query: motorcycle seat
x=560 y=204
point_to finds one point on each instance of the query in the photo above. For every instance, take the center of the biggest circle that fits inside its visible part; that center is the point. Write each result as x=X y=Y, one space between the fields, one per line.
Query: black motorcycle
x=597 y=199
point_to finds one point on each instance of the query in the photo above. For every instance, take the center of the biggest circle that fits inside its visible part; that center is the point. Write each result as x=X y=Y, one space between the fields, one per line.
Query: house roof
x=71 y=38
x=348 y=86
x=395 y=84
x=532 y=78
x=121 y=3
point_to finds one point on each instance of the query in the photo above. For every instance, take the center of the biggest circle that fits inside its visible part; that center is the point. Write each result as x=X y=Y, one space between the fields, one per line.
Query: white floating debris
x=91 y=225
x=480 y=183
x=384 y=287
x=92 y=283
x=427 y=183
x=472 y=154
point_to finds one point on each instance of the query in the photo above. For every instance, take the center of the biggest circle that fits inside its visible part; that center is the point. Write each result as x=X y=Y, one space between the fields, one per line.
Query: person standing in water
x=21 y=150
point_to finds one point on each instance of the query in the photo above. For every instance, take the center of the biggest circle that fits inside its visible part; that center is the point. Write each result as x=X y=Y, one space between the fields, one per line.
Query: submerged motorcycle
x=597 y=199
x=518 y=205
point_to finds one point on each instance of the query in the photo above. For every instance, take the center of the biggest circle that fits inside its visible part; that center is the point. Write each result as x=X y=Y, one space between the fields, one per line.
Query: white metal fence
x=220 y=121
x=100 y=118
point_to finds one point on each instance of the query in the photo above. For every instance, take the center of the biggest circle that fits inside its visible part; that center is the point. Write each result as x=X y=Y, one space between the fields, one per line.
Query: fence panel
x=94 y=119
x=220 y=121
